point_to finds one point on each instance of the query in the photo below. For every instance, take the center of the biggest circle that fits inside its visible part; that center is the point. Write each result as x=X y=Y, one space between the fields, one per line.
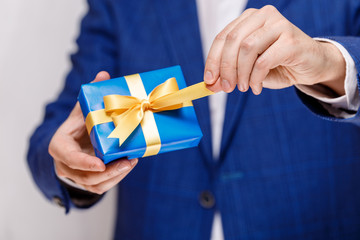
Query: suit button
x=57 y=200
x=207 y=199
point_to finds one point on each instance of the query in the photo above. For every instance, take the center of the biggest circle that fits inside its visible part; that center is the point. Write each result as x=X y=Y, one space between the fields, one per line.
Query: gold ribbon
x=127 y=112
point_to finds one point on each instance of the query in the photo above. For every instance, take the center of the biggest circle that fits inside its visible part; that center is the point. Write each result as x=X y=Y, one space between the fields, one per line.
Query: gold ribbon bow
x=127 y=112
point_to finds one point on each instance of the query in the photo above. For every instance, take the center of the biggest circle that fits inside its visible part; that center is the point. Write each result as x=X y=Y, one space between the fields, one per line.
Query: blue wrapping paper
x=178 y=129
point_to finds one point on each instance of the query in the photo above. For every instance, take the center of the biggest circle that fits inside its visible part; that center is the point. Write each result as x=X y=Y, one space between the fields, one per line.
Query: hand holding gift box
x=142 y=114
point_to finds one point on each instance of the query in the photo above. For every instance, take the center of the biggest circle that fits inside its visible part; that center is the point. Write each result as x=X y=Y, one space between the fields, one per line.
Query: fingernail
x=133 y=162
x=225 y=85
x=122 y=168
x=208 y=77
x=245 y=87
x=100 y=167
x=256 y=91
x=241 y=88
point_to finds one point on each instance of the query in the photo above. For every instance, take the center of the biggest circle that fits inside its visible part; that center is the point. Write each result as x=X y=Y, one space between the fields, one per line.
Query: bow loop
x=118 y=104
x=127 y=112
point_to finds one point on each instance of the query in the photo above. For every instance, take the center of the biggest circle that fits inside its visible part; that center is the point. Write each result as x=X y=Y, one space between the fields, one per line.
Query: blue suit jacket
x=283 y=172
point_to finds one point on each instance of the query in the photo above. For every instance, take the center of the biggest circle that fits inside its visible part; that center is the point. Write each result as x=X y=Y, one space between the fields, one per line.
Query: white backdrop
x=36 y=38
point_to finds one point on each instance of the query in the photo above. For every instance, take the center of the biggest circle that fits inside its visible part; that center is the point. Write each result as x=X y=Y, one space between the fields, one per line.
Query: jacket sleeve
x=96 y=52
x=350 y=40
x=352 y=45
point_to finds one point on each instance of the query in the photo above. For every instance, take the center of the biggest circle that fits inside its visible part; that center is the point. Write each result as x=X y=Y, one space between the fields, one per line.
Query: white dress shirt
x=213 y=16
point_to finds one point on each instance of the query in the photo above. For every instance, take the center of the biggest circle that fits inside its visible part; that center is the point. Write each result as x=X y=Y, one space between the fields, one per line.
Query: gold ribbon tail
x=182 y=96
x=126 y=123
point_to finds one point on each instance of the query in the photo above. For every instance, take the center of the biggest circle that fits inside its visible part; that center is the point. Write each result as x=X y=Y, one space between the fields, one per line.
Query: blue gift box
x=178 y=129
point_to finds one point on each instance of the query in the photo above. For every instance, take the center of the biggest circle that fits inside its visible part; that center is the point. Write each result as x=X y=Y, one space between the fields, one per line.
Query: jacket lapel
x=234 y=107
x=236 y=100
x=179 y=23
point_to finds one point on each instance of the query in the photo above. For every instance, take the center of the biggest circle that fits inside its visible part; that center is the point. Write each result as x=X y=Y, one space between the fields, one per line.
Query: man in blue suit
x=268 y=166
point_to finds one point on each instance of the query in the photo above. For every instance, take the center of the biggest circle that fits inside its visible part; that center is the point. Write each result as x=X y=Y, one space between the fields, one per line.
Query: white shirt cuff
x=337 y=106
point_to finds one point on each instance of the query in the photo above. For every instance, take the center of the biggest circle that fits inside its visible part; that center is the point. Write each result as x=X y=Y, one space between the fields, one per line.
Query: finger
x=251 y=47
x=216 y=87
x=274 y=56
x=63 y=147
x=75 y=123
x=113 y=169
x=212 y=65
x=76 y=110
x=107 y=185
x=78 y=160
x=102 y=76
x=234 y=43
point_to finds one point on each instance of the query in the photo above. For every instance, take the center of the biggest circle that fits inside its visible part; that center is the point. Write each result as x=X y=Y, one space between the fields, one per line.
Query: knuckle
x=232 y=36
x=249 y=11
x=90 y=189
x=50 y=149
x=269 y=9
x=261 y=63
x=282 y=23
x=96 y=189
x=68 y=163
x=247 y=45
x=221 y=36
x=285 y=25
x=85 y=179
x=291 y=40
x=52 y=146
x=60 y=172
x=225 y=65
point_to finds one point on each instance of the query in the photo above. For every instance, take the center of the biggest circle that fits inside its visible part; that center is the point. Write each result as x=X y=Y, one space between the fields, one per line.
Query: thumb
x=215 y=87
x=276 y=80
x=102 y=76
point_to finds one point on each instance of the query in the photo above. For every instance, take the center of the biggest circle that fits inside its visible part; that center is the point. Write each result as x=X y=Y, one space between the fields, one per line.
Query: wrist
x=334 y=71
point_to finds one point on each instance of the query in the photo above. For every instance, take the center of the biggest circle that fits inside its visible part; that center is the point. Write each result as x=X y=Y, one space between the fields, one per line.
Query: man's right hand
x=74 y=156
